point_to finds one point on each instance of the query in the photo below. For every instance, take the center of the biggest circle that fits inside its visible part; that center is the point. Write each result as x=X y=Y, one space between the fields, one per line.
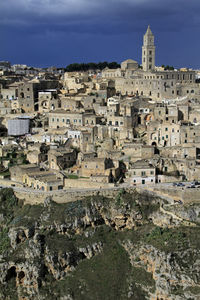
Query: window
x=50 y=188
x=166 y=129
x=152 y=172
x=150 y=59
x=150 y=52
x=166 y=136
x=86 y=166
x=172 y=129
x=52 y=119
x=57 y=120
x=143 y=173
x=186 y=141
x=63 y=120
x=96 y=166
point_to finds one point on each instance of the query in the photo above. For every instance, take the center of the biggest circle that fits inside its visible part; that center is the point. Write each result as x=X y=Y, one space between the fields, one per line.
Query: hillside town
x=135 y=125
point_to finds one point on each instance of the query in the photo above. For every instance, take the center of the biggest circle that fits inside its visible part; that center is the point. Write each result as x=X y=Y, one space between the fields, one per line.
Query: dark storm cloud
x=73 y=14
x=48 y=23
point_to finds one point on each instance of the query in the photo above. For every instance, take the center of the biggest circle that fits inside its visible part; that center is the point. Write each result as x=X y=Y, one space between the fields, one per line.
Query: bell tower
x=148 y=51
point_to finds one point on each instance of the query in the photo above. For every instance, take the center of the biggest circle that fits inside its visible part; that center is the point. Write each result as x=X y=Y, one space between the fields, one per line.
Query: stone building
x=44 y=181
x=61 y=158
x=100 y=166
x=129 y=64
x=163 y=134
x=28 y=93
x=141 y=172
x=17 y=172
x=138 y=151
x=48 y=100
x=62 y=118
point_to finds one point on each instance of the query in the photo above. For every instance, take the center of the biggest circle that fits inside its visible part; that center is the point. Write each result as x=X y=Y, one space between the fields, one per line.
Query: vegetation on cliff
x=97 y=248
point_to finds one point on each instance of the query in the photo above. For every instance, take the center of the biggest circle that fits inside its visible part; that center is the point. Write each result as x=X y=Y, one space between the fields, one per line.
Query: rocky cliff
x=135 y=246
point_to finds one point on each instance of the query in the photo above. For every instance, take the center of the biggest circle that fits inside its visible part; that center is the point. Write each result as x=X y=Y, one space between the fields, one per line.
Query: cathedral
x=151 y=81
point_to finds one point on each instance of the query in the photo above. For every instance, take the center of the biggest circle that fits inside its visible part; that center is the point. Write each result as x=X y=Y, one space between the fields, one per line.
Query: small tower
x=148 y=51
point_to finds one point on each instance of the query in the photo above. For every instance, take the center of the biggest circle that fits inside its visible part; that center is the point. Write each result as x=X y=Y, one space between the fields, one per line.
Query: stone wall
x=64 y=196
x=84 y=184
x=178 y=193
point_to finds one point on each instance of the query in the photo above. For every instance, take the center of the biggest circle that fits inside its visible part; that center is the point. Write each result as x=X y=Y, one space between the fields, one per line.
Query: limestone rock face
x=168 y=270
x=64 y=250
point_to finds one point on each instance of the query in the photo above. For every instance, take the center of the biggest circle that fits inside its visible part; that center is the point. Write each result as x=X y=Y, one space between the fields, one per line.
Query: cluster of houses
x=135 y=124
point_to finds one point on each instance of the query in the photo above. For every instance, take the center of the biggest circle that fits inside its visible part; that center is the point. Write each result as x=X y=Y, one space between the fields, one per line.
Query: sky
x=45 y=33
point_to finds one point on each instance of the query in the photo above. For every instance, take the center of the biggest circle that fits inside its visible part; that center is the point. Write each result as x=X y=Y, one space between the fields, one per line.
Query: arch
x=22 y=95
x=148 y=117
x=44 y=104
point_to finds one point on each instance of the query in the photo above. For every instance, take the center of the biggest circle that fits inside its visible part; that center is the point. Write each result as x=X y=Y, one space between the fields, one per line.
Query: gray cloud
x=121 y=15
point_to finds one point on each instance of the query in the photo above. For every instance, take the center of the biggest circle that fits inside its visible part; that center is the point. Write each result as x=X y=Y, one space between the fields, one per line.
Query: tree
x=91 y=66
